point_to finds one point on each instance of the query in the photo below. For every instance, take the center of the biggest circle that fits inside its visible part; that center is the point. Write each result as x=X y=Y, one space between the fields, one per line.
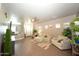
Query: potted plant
x=35 y=33
x=75 y=36
x=7 y=43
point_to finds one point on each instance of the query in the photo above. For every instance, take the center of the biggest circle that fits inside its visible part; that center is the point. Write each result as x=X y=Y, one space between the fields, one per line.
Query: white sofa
x=61 y=42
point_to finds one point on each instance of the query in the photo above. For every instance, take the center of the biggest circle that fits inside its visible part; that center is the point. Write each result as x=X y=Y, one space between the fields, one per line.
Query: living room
x=39 y=30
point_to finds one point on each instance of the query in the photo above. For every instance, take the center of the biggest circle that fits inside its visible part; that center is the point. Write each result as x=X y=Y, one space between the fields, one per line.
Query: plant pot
x=75 y=49
x=77 y=41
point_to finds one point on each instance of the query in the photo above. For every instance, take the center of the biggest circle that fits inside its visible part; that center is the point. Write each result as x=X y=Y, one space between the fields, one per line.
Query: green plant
x=74 y=40
x=7 y=42
x=67 y=32
x=74 y=28
x=34 y=30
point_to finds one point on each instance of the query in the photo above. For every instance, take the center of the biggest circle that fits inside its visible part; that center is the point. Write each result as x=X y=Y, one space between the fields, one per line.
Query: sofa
x=61 y=42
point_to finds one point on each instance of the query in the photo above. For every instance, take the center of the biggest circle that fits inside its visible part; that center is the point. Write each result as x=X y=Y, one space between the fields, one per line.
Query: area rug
x=44 y=45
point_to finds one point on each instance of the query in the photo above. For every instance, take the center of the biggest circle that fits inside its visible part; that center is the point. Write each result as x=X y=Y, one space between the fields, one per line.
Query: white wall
x=0 y=5
x=53 y=31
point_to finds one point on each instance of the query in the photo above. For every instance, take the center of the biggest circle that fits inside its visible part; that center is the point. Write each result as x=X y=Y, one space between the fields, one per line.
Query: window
x=15 y=22
x=57 y=25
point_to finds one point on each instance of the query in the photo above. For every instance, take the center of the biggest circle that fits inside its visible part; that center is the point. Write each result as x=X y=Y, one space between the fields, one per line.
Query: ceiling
x=42 y=11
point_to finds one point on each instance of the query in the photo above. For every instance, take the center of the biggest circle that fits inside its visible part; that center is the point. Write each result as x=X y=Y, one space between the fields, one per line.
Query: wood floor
x=26 y=48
